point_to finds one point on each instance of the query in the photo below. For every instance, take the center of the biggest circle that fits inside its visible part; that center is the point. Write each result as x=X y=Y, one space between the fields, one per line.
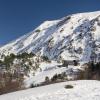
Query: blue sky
x=17 y=17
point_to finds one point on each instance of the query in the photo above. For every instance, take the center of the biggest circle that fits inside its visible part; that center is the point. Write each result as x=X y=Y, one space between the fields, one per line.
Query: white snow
x=47 y=69
x=64 y=39
x=82 y=90
x=61 y=38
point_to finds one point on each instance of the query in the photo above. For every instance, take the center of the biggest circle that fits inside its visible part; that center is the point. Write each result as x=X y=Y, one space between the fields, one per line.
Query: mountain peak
x=76 y=36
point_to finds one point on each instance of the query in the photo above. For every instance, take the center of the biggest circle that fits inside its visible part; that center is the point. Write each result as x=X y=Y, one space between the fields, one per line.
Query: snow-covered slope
x=75 y=36
x=82 y=90
x=49 y=70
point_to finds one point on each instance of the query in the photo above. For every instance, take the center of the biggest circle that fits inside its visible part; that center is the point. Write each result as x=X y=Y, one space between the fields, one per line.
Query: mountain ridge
x=68 y=38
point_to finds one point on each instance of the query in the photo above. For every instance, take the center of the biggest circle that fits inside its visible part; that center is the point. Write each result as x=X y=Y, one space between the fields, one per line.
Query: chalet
x=70 y=62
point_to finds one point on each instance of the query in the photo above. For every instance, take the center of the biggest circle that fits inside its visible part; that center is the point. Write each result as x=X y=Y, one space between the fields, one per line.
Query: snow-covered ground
x=74 y=37
x=47 y=70
x=82 y=90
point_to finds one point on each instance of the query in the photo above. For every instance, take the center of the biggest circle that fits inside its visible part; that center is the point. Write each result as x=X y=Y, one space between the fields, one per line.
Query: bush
x=12 y=55
x=1 y=62
x=7 y=61
x=37 y=30
x=30 y=63
x=68 y=86
x=59 y=77
x=46 y=79
x=45 y=58
x=25 y=55
x=32 y=86
x=54 y=78
x=31 y=54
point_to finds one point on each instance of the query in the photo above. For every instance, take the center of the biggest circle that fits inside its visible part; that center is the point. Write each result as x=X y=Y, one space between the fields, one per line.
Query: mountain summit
x=74 y=37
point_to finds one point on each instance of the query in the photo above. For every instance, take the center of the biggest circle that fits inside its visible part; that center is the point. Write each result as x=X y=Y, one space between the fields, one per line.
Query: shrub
x=60 y=76
x=46 y=79
x=8 y=60
x=62 y=30
x=25 y=55
x=12 y=55
x=30 y=63
x=1 y=62
x=38 y=30
x=32 y=86
x=31 y=54
x=68 y=86
x=54 y=78
x=45 y=58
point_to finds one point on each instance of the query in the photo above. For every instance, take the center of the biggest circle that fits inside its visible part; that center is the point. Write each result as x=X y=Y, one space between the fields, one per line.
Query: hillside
x=82 y=90
x=74 y=37
x=56 y=51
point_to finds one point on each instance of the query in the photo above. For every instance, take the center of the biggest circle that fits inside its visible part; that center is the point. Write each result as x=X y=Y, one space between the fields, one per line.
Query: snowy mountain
x=60 y=48
x=74 y=37
x=82 y=90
